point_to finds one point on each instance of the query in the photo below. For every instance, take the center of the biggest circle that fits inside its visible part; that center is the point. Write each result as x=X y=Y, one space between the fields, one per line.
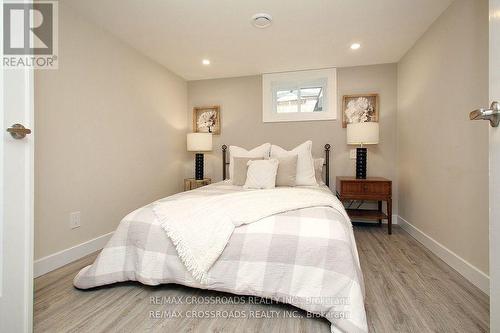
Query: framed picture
x=206 y=119
x=359 y=108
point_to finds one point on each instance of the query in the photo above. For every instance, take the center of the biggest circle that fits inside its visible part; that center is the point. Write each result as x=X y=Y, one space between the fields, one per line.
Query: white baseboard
x=54 y=261
x=470 y=272
x=394 y=219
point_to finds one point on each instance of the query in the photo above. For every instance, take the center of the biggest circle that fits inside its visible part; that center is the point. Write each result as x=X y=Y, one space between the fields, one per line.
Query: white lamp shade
x=362 y=133
x=199 y=141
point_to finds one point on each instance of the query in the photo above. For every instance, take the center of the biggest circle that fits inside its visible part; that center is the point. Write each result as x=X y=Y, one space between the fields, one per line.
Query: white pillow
x=261 y=151
x=261 y=174
x=305 y=163
x=318 y=170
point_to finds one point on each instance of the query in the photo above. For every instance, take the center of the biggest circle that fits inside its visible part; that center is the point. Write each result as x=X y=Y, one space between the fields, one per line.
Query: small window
x=287 y=101
x=299 y=96
x=311 y=99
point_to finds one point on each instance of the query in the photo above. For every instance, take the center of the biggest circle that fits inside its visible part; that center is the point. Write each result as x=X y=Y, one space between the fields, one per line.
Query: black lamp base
x=360 y=163
x=198 y=166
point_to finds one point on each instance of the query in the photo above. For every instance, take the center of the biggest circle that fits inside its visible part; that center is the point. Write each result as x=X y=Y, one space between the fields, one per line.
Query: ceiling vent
x=262 y=20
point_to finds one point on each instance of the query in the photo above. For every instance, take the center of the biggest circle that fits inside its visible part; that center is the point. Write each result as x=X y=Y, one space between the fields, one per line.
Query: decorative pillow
x=240 y=169
x=287 y=170
x=318 y=170
x=261 y=174
x=261 y=151
x=305 y=164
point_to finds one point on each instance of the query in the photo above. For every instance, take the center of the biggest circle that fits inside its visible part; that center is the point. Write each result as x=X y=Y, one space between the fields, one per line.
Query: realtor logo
x=30 y=34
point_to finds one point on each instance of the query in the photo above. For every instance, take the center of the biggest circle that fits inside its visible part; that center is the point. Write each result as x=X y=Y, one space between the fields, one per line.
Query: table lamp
x=199 y=143
x=366 y=133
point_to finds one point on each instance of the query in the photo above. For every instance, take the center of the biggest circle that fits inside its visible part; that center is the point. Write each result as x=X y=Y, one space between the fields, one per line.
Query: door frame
x=29 y=208
x=494 y=168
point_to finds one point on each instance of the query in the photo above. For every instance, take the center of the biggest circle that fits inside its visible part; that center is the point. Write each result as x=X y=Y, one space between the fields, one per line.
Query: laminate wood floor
x=408 y=289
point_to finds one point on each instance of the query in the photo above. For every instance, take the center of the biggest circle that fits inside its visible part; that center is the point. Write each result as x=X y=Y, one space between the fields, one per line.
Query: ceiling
x=304 y=34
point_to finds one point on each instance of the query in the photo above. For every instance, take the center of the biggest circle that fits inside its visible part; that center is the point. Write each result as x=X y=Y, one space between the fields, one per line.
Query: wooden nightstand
x=375 y=188
x=191 y=183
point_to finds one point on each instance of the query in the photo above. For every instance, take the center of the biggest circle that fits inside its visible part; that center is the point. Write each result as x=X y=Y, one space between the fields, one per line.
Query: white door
x=16 y=200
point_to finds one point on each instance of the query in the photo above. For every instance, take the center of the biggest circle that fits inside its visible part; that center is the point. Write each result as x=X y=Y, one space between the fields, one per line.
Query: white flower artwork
x=206 y=120
x=360 y=109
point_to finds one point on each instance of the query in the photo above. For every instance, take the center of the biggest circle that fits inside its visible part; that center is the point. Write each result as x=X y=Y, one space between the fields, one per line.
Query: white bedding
x=305 y=257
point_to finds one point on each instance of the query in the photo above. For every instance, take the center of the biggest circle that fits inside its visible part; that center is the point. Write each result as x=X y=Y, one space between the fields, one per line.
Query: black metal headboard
x=225 y=163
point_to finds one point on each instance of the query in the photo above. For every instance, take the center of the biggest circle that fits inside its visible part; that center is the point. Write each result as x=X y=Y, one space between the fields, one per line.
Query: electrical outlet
x=352 y=154
x=74 y=220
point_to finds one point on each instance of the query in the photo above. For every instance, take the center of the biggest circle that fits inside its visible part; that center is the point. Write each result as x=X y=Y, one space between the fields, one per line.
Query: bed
x=304 y=257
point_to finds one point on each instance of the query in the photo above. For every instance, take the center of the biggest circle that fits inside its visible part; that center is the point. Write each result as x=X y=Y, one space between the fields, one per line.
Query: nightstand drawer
x=351 y=188
x=365 y=187
x=376 y=188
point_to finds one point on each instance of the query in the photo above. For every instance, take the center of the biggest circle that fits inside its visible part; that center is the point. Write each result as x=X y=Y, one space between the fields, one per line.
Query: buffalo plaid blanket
x=305 y=257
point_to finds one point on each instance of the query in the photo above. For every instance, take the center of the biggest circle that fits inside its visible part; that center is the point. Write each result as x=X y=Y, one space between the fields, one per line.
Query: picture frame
x=360 y=108
x=206 y=119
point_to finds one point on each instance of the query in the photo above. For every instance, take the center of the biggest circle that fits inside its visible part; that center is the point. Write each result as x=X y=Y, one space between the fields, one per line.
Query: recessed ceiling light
x=355 y=46
x=205 y=62
x=262 y=20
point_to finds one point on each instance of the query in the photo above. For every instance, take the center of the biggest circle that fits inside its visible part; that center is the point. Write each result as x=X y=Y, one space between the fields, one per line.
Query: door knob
x=18 y=131
x=492 y=114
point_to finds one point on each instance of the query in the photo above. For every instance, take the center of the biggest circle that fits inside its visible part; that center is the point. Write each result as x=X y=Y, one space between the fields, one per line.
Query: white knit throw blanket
x=200 y=228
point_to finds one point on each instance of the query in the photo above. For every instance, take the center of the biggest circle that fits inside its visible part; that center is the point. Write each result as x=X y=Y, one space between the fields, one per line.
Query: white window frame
x=296 y=80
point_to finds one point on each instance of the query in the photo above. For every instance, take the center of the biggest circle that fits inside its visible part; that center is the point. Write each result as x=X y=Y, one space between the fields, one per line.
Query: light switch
x=74 y=220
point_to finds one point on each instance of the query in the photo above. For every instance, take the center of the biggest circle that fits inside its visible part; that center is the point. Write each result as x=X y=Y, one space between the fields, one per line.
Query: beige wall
x=111 y=124
x=241 y=114
x=110 y=135
x=442 y=156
